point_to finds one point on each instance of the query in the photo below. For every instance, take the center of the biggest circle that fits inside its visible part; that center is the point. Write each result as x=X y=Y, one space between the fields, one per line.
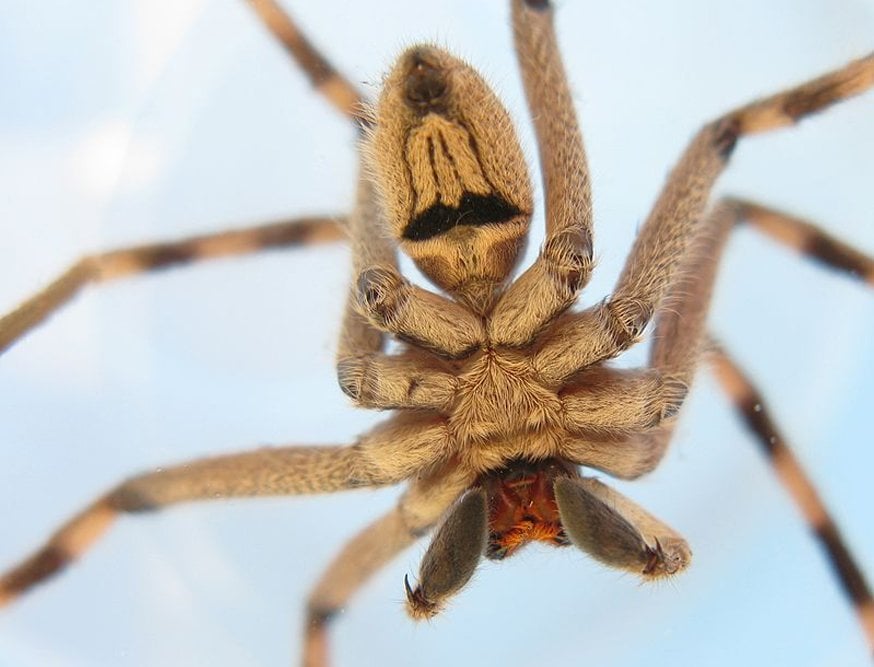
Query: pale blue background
x=125 y=122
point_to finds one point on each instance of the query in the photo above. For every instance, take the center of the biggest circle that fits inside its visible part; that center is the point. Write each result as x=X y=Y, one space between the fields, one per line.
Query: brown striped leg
x=663 y=243
x=666 y=239
x=392 y=452
x=751 y=407
x=324 y=78
x=805 y=238
x=419 y=509
x=565 y=263
x=561 y=355
x=681 y=324
x=125 y=262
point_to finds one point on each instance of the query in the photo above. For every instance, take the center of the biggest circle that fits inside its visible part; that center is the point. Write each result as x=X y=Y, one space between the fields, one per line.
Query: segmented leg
x=324 y=78
x=678 y=340
x=565 y=262
x=367 y=375
x=417 y=315
x=109 y=265
x=419 y=509
x=750 y=405
x=805 y=238
x=665 y=241
x=390 y=453
x=662 y=244
x=126 y=262
x=681 y=325
x=403 y=381
x=616 y=402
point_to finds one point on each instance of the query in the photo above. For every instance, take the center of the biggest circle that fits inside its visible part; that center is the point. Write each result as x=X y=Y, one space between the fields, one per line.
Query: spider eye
x=473 y=210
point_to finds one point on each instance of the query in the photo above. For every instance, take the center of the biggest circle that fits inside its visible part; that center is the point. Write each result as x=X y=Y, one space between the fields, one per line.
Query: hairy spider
x=493 y=208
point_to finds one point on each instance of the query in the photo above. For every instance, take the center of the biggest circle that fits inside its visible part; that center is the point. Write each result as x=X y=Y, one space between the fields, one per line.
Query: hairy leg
x=419 y=508
x=565 y=263
x=615 y=402
x=750 y=405
x=392 y=452
x=370 y=377
x=342 y=95
x=667 y=238
x=680 y=332
x=561 y=355
x=124 y=262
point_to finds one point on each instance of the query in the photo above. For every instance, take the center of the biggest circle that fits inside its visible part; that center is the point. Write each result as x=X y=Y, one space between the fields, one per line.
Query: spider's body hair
x=500 y=392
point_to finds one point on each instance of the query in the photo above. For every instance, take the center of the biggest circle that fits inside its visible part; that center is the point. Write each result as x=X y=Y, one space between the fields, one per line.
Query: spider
x=517 y=471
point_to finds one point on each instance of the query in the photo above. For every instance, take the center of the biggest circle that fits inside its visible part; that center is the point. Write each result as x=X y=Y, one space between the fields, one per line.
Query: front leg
x=565 y=262
x=674 y=232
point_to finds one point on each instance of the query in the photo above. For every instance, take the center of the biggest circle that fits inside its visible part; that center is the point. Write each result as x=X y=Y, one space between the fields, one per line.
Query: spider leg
x=390 y=453
x=561 y=354
x=124 y=262
x=127 y=261
x=666 y=239
x=397 y=381
x=677 y=338
x=382 y=300
x=429 y=320
x=324 y=78
x=751 y=407
x=680 y=328
x=804 y=238
x=677 y=341
x=360 y=558
x=370 y=377
x=615 y=402
x=680 y=336
x=565 y=263
x=418 y=510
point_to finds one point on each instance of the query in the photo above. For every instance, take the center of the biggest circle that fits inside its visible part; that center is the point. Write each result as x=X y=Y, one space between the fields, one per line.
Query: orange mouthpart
x=522 y=507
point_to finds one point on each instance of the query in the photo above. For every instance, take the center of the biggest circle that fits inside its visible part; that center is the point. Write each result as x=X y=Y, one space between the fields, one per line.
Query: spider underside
x=500 y=392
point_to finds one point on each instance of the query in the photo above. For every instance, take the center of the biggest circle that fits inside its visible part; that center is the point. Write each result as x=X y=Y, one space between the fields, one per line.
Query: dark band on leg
x=750 y=404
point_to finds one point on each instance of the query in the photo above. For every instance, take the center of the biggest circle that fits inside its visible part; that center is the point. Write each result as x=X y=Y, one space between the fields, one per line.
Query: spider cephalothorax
x=499 y=392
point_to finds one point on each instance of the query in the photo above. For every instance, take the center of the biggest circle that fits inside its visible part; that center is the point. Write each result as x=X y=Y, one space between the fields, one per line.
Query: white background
x=127 y=122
